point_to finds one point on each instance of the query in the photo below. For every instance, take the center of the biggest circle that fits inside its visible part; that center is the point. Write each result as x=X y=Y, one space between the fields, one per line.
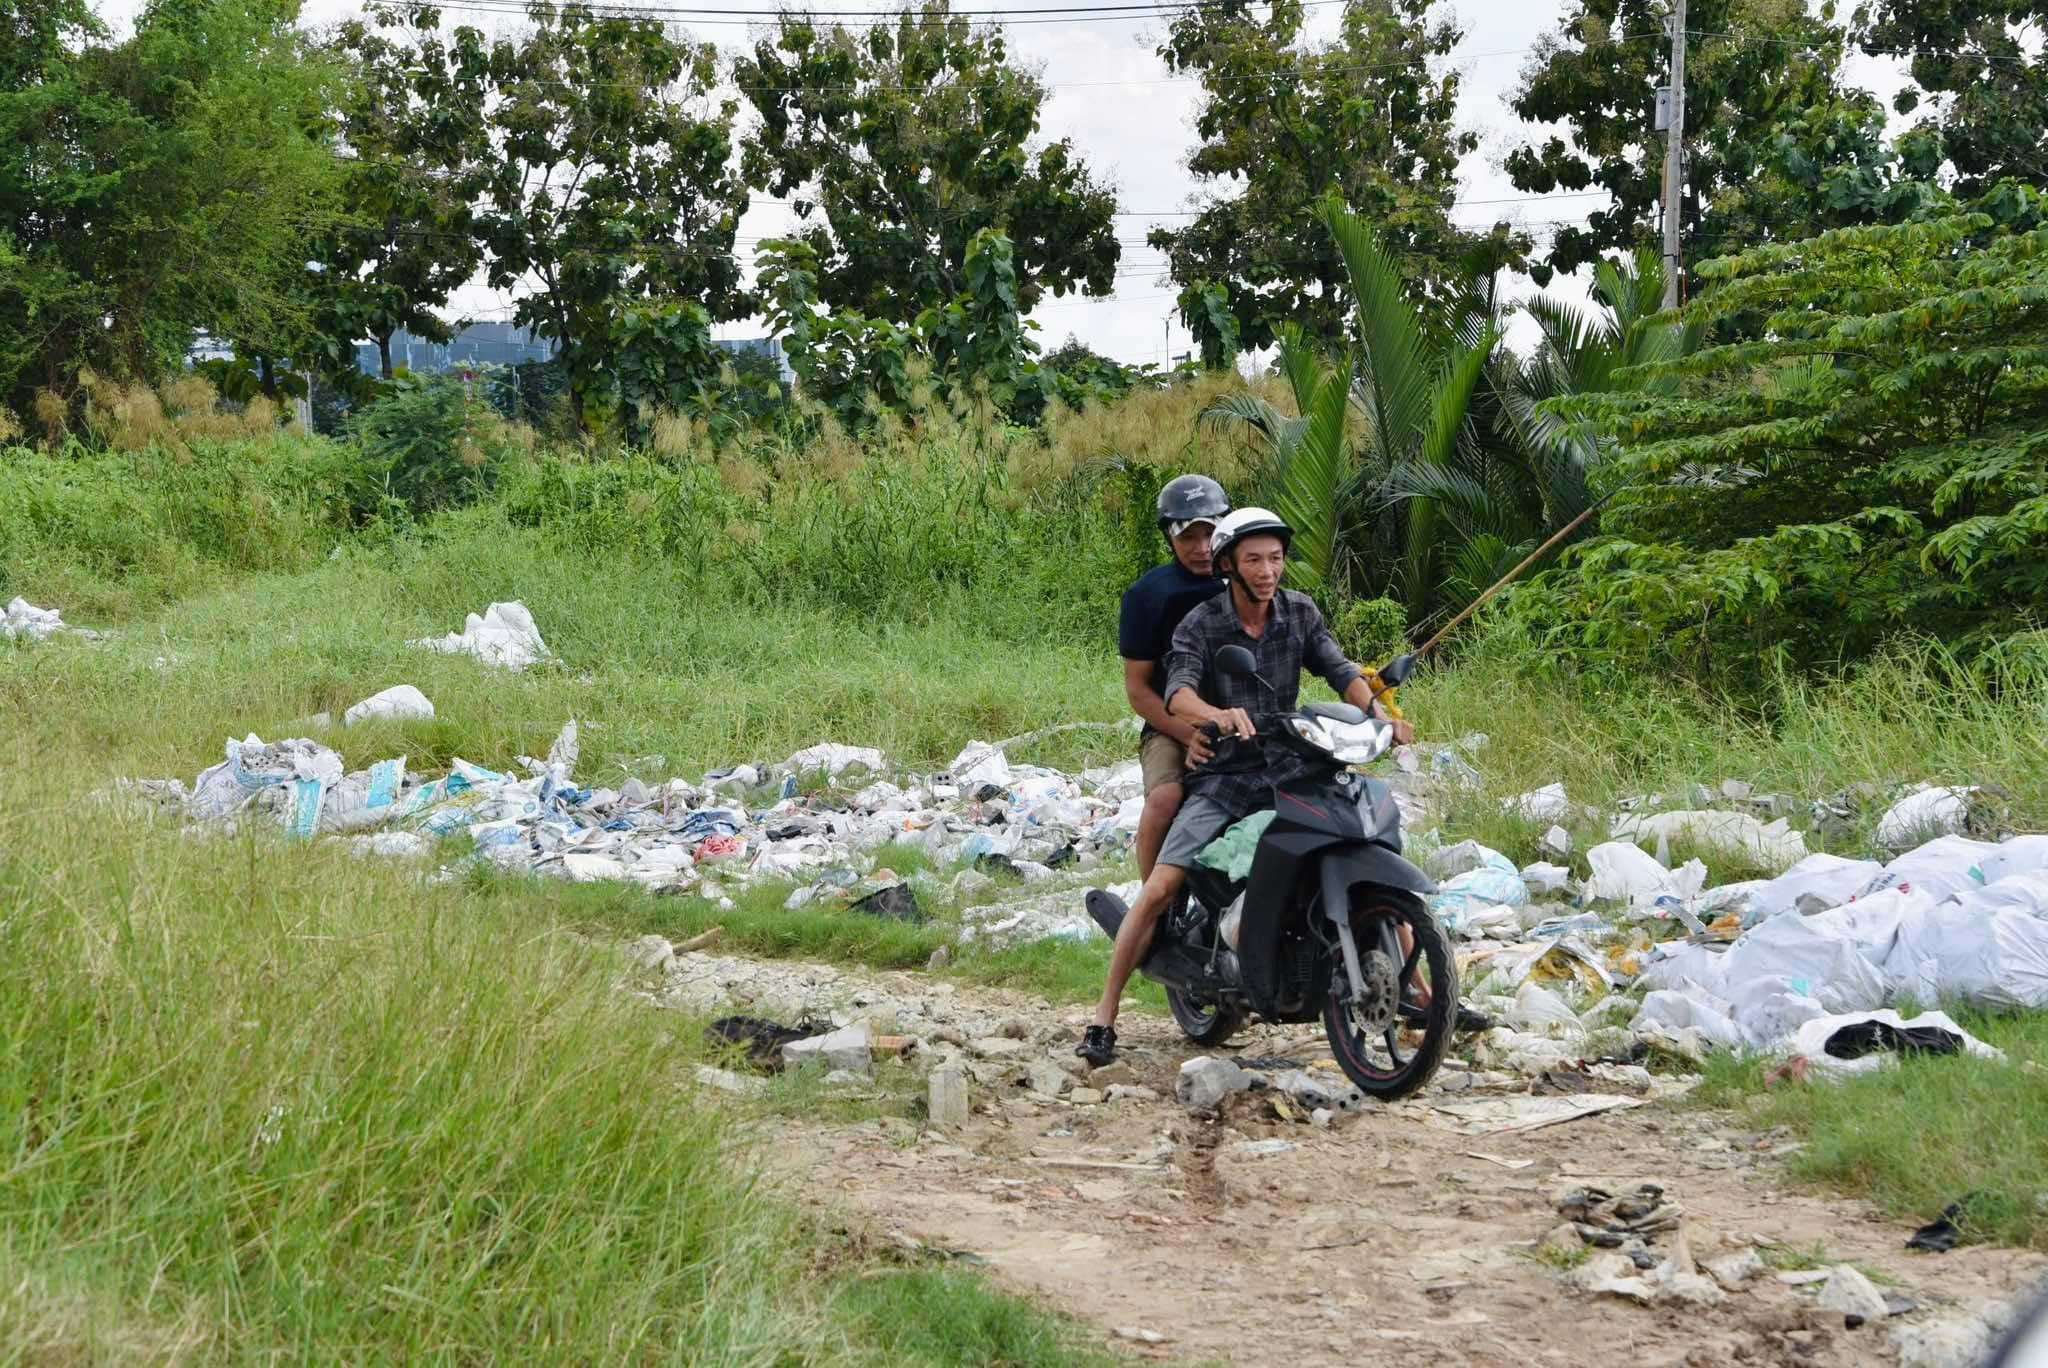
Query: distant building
x=505 y=344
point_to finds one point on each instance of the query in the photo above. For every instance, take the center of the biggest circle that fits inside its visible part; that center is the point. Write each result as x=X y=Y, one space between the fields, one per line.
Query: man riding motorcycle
x=1285 y=632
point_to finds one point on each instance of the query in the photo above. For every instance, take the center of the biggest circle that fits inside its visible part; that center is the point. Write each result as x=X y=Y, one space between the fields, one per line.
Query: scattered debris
x=845 y=1048
x=726 y=1081
x=1850 y=1293
x=946 y=1095
x=1502 y=1115
x=24 y=621
x=1205 y=1081
x=1944 y=1232
x=763 y=1039
x=400 y=702
x=504 y=635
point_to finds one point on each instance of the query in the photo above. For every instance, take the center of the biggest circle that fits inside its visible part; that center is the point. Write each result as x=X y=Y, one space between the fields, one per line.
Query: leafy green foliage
x=905 y=143
x=155 y=187
x=412 y=119
x=428 y=443
x=607 y=193
x=1983 y=85
x=1777 y=147
x=1876 y=463
x=1284 y=122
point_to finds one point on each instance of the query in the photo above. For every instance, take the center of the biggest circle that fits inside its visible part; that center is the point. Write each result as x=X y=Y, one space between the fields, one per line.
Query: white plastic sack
x=505 y=636
x=1676 y=964
x=1672 y=1010
x=1829 y=878
x=23 y=619
x=1942 y=868
x=1547 y=804
x=1625 y=872
x=835 y=759
x=400 y=701
x=1961 y=949
x=1812 y=1040
x=2020 y=855
x=1543 y=879
x=1543 y=1012
x=1814 y=955
x=1448 y=862
x=1923 y=813
x=1773 y=845
x=364 y=799
x=252 y=766
x=1769 y=1009
x=980 y=763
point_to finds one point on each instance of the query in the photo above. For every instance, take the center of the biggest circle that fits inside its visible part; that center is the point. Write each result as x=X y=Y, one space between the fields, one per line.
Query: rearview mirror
x=1237 y=662
x=1395 y=672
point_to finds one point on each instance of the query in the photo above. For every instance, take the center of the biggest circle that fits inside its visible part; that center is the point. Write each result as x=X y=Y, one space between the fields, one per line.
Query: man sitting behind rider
x=1152 y=610
x=1286 y=634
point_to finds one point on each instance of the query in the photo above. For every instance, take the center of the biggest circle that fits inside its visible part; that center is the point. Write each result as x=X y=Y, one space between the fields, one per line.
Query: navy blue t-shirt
x=1153 y=608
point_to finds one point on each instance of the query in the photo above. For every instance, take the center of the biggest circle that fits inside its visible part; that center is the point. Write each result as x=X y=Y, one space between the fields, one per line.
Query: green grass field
x=261 y=1101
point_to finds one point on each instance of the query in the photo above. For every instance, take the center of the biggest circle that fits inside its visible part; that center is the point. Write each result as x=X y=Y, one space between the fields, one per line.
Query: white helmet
x=1246 y=522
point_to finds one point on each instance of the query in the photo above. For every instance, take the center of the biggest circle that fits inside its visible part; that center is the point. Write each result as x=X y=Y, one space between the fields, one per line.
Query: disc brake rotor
x=1374 y=1007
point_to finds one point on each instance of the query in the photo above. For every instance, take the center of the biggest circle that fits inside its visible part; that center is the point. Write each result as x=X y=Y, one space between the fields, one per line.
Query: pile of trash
x=981 y=819
x=23 y=621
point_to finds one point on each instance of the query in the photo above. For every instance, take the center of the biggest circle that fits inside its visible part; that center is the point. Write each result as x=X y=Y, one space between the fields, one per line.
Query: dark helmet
x=1247 y=522
x=1190 y=499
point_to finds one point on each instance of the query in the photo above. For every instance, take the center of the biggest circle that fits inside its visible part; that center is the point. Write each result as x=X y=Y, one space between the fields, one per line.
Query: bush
x=428 y=444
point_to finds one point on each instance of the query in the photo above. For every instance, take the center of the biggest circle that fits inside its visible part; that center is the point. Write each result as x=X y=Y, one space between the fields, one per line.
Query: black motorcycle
x=1332 y=920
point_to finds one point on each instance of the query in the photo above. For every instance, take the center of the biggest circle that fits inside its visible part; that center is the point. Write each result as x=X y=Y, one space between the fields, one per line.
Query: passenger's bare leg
x=1160 y=806
x=1134 y=937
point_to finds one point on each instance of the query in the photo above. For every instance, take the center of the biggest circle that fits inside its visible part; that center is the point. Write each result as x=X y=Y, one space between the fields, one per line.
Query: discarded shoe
x=1098 y=1045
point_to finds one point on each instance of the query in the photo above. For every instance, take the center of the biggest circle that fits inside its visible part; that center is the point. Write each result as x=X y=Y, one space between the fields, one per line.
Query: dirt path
x=1386 y=1238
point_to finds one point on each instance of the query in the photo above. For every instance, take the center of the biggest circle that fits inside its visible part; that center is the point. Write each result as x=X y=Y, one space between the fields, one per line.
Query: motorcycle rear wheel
x=1209 y=1023
x=1371 y=1054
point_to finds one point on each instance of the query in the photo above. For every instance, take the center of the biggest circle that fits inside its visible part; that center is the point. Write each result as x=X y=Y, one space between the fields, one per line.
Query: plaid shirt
x=1295 y=639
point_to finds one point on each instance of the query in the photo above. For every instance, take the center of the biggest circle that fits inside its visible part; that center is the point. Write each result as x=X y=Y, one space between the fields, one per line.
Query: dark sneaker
x=1471 y=1020
x=1098 y=1045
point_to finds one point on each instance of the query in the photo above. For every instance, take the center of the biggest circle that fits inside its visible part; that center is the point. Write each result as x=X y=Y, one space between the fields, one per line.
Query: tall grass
x=259 y=1102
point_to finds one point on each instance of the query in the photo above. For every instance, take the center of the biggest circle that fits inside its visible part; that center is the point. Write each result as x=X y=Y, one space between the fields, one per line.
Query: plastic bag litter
x=400 y=701
x=1941 y=868
x=1547 y=804
x=1231 y=853
x=1773 y=845
x=1448 y=862
x=1817 y=955
x=1481 y=899
x=1542 y=879
x=835 y=759
x=1567 y=960
x=1543 y=1012
x=980 y=763
x=364 y=799
x=504 y=635
x=27 y=622
x=564 y=751
x=1671 y=1011
x=252 y=766
x=1819 y=881
x=1923 y=813
x=2019 y=855
x=1625 y=872
x=1813 y=1037
x=1973 y=949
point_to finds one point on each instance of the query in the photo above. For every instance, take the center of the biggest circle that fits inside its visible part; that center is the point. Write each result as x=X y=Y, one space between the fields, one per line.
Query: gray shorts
x=1202 y=819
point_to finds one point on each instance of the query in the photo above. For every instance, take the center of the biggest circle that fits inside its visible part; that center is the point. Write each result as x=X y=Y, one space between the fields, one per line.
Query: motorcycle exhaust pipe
x=1107 y=909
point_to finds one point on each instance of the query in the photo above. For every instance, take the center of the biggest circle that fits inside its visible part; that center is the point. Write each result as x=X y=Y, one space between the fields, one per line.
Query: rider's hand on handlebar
x=1235 y=722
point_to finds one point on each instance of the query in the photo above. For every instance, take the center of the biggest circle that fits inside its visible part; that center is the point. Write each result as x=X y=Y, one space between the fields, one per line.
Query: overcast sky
x=1110 y=93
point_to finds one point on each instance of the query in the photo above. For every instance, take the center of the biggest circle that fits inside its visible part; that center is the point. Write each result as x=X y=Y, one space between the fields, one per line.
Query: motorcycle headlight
x=1312 y=730
x=1357 y=742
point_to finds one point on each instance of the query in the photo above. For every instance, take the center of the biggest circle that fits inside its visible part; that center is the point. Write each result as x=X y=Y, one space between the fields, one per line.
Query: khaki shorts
x=1162 y=760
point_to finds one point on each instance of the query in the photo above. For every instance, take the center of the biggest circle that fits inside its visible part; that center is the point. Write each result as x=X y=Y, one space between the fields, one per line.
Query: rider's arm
x=1147 y=703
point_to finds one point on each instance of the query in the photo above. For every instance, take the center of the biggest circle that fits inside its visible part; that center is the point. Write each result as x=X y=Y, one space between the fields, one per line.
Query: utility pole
x=1674 y=155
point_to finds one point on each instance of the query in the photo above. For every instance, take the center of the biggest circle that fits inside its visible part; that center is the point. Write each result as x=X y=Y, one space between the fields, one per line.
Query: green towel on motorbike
x=1231 y=853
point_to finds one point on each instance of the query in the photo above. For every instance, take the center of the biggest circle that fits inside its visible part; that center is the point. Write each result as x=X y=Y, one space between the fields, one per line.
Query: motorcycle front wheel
x=1367 y=1032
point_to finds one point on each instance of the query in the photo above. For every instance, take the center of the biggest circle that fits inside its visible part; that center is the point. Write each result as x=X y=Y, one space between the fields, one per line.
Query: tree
x=1282 y=124
x=904 y=142
x=1876 y=462
x=1985 y=91
x=1389 y=510
x=1765 y=120
x=607 y=186
x=155 y=188
x=414 y=127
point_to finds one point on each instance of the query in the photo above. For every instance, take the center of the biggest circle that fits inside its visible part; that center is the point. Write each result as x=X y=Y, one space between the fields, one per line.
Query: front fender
x=1344 y=870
